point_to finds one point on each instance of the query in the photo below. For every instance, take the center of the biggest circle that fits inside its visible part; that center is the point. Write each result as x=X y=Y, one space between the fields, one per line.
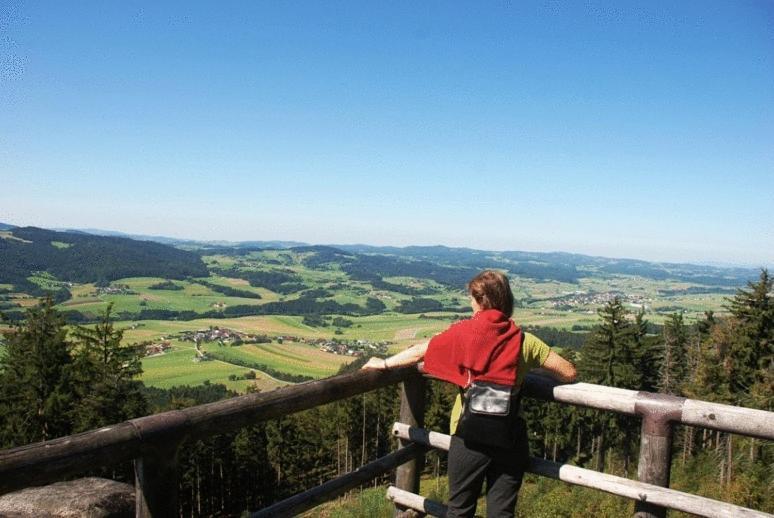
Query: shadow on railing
x=153 y=443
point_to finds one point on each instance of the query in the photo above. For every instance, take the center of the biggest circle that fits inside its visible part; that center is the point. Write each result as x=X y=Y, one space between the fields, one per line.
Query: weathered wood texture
x=49 y=461
x=725 y=418
x=155 y=483
x=301 y=502
x=412 y=412
x=46 y=462
x=715 y=416
x=635 y=490
x=640 y=491
x=658 y=412
x=419 y=503
x=653 y=468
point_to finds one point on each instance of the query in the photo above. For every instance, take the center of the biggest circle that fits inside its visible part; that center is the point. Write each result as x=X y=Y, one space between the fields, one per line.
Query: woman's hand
x=375 y=364
x=559 y=368
x=408 y=357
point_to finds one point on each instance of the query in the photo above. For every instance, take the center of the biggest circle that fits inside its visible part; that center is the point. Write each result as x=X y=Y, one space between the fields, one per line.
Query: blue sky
x=611 y=128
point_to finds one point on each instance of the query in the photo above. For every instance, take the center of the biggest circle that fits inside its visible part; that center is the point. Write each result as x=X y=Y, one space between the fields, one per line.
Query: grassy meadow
x=176 y=366
x=292 y=358
x=539 y=303
x=192 y=296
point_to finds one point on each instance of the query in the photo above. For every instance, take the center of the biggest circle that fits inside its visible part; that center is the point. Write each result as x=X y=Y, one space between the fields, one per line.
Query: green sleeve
x=534 y=352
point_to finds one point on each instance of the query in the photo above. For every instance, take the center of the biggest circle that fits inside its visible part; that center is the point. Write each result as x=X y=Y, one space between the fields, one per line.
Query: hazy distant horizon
x=375 y=243
x=611 y=129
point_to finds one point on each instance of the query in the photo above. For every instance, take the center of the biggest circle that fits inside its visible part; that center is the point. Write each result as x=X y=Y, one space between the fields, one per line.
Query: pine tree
x=610 y=358
x=36 y=396
x=750 y=350
x=673 y=373
x=647 y=351
x=107 y=373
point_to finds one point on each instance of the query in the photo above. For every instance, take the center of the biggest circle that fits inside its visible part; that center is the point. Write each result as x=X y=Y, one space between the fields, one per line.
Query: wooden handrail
x=715 y=416
x=301 y=502
x=48 y=461
x=152 y=441
x=620 y=486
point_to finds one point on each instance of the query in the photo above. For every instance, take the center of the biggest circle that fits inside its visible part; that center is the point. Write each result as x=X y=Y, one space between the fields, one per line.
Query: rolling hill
x=79 y=257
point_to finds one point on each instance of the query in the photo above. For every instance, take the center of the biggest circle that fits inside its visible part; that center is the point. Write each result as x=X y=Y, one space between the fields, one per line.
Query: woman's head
x=491 y=290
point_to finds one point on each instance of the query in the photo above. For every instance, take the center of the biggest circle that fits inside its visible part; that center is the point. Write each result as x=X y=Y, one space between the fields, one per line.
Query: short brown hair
x=492 y=291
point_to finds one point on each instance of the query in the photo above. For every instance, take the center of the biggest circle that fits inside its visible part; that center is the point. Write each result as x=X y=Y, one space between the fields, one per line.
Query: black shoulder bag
x=489 y=414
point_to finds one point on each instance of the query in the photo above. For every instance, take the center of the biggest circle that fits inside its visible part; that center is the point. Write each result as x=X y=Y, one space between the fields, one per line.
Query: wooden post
x=155 y=471
x=658 y=411
x=155 y=483
x=412 y=412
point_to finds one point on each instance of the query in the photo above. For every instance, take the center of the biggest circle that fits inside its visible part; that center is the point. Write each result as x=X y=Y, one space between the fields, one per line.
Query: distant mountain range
x=186 y=242
x=103 y=255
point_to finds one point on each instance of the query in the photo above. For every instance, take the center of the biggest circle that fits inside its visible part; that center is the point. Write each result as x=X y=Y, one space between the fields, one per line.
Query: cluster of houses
x=582 y=298
x=215 y=334
x=157 y=348
x=354 y=347
x=115 y=289
x=338 y=346
x=225 y=336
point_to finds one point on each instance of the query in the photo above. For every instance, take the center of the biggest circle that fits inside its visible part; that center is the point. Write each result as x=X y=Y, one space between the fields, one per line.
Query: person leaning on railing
x=488 y=347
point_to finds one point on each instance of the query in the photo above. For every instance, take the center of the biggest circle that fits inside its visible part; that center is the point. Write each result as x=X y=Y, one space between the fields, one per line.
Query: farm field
x=192 y=297
x=292 y=358
x=537 y=298
x=141 y=330
x=241 y=284
x=177 y=367
x=375 y=327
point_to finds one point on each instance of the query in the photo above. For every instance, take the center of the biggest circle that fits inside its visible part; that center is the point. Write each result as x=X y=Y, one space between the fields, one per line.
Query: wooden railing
x=153 y=441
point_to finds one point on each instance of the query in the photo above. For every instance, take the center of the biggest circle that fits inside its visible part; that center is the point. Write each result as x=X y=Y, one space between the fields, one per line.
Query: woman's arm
x=559 y=368
x=406 y=357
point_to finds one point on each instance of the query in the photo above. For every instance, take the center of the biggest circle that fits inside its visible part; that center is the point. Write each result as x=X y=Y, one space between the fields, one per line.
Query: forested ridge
x=85 y=379
x=78 y=257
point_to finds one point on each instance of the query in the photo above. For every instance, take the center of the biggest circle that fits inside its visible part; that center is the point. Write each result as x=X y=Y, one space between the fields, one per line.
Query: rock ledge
x=83 y=498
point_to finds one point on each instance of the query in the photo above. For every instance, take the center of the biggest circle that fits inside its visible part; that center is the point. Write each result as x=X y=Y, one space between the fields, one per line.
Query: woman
x=488 y=347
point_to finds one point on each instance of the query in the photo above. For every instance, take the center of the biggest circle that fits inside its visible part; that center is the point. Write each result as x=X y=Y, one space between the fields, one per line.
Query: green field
x=193 y=297
x=392 y=327
x=289 y=357
x=536 y=299
x=177 y=367
x=292 y=358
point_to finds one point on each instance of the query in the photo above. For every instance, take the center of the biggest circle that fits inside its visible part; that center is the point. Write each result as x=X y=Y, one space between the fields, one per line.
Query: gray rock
x=85 y=497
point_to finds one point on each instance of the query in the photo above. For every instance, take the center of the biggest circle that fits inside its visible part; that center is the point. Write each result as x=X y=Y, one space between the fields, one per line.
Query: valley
x=317 y=308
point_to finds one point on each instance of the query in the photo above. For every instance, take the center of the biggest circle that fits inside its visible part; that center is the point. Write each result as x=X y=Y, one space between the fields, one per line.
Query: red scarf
x=485 y=347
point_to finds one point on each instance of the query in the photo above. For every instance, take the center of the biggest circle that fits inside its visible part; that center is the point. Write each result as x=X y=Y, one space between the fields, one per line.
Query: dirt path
x=406 y=334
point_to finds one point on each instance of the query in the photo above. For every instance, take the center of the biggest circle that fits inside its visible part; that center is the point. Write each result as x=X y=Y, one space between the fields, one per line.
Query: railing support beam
x=658 y=412
x=155 y=471
x=637 y=491
x=302 y=502
x=155 y=483
x=412 y=412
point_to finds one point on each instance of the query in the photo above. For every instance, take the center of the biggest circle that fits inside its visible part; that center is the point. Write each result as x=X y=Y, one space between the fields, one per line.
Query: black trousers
x=503 y=469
